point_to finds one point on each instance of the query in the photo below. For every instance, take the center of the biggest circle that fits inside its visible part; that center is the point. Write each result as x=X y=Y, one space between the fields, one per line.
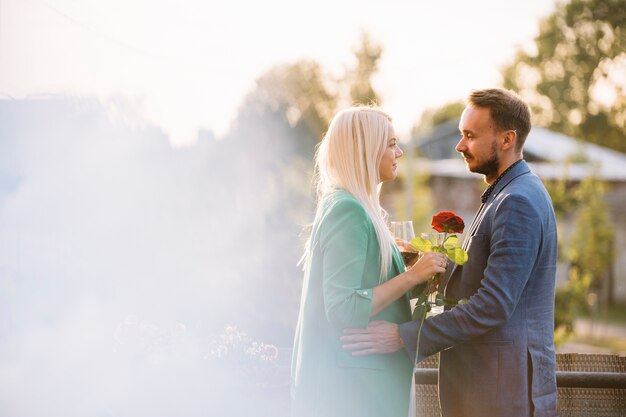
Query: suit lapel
x=474 y=226
x=470 y=232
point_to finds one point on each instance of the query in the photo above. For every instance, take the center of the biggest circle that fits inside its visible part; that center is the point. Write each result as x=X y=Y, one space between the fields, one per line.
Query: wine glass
x=403 y=233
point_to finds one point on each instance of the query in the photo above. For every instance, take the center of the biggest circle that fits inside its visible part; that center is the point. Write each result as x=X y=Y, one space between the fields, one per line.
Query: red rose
x=448 y=222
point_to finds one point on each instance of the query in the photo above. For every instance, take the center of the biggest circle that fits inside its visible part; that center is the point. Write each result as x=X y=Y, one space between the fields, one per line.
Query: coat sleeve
x=344 y=240
x=516 y=237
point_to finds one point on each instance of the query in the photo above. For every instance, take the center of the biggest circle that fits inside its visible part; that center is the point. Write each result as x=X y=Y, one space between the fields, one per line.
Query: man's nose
x=460 y=147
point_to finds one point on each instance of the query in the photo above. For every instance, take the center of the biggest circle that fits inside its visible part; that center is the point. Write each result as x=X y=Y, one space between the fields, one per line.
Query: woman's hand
x=429 y=264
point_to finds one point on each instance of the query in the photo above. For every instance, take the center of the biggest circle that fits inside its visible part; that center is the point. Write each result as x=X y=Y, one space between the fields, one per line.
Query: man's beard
x=490 y=167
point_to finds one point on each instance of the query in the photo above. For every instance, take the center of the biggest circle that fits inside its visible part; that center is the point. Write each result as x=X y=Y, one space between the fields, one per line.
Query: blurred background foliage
x=587 y=251
x=573 y=77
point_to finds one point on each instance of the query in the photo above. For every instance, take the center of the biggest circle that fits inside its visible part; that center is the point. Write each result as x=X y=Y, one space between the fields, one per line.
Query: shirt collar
x=485 y=196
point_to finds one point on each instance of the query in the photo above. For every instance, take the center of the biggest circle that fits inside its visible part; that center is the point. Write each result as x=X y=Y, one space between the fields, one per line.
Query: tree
x=589 y=250
x=435 y=116
x=271 y=145
x=360 y=78
x=573 y=78
x=297 y=93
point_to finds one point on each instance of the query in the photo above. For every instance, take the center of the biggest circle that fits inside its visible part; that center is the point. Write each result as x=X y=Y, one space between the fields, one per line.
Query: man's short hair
x=508 y=111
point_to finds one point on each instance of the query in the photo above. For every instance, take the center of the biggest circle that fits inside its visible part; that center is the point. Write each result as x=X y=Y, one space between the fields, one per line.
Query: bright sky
x=186 y=64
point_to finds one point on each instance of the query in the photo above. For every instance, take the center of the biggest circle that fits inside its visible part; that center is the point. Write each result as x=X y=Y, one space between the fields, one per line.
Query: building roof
x=551 y=155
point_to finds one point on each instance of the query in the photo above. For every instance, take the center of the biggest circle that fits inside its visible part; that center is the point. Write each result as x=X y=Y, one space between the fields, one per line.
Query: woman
x=353 y=274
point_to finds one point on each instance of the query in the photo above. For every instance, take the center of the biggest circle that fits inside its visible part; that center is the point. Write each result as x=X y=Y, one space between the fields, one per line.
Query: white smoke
x=121 y=263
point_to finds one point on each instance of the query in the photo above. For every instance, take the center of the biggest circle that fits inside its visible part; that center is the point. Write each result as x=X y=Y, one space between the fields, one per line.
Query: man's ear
x=509 y=139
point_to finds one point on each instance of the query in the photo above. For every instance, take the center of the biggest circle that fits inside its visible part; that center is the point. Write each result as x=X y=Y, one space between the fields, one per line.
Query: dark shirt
x=489 y=190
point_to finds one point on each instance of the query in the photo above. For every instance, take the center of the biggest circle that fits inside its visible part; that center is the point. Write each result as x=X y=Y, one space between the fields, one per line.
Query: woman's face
x=388 y=168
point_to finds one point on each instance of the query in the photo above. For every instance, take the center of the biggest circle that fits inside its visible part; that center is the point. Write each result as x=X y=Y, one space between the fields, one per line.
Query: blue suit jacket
x=497 y=351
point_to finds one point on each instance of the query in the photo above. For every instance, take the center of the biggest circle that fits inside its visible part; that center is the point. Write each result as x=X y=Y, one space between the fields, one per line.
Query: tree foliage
x=271 y=146
x=298 y=93
x=360 y=78
x=592 y=247
x=588 y=251
x=435 y=116
x=574 y=77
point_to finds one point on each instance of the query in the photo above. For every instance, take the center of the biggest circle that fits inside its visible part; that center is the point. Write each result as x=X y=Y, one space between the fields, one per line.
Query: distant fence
x=589 y=385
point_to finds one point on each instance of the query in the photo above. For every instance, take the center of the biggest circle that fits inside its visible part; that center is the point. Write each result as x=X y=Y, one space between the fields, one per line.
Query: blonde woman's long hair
x=348 y=157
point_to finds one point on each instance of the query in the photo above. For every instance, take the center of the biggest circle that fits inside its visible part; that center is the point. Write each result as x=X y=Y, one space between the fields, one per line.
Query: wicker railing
x=588 y=385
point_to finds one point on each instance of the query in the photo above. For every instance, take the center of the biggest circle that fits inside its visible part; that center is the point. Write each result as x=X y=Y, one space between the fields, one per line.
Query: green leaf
x=442 y=300
x=419 y=312
x=462 y=301
x=449 y=301
x=450 y=242
x=418 y=291
x=457 y=255
x=421 y=244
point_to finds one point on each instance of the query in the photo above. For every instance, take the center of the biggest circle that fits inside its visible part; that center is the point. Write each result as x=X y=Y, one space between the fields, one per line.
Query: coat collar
x=516 y=171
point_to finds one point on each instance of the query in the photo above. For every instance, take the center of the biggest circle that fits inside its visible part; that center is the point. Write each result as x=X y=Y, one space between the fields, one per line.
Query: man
x=497 y=351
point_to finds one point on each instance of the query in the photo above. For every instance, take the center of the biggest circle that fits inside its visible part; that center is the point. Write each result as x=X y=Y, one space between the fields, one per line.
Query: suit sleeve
x=344 y=241
x=515 y=241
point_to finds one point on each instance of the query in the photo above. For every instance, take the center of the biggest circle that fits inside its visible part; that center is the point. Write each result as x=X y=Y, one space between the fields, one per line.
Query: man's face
x=478 y=143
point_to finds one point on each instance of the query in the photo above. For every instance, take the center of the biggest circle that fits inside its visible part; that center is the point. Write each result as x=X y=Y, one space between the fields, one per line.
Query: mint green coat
x=342 y=267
